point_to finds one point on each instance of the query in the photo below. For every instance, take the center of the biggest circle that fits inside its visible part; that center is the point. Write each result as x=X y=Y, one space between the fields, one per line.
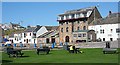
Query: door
x=67 y=39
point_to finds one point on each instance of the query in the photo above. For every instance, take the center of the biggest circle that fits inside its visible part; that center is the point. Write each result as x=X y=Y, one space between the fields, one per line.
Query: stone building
x=74 y=21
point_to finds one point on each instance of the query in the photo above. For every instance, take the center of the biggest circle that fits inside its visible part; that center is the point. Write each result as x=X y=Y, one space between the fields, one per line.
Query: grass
x=62 y=56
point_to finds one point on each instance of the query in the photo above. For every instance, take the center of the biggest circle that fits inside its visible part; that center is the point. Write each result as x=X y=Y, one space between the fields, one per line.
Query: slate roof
x=30 y=29
x=37 y=28
x=82 y=10
x=49 y=28
x=45 y=34
x=110 y=19
x=14 y=25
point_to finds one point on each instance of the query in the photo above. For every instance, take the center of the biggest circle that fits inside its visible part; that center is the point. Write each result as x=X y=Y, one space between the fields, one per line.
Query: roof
x=49 y=28
x=14 y=25
x=37 y=28
x=30 y=29
x=45 y=34
x=82 y=10
x=110 y=19
x=49 y=34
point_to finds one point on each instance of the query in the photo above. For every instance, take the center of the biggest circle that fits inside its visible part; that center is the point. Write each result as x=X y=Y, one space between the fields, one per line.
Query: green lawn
x=62 y=56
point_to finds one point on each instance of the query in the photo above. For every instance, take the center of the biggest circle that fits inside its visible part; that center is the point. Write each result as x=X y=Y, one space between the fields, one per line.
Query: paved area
x=113 y=44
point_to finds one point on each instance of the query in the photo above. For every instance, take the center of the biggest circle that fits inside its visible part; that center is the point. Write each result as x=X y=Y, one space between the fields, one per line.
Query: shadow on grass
x=6 y=61
x=44 y=54
x=112 y=53
x=23 y=56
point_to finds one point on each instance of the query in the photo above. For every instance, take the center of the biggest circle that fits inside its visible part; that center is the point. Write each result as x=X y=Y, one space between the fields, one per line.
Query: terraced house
x=73 y=24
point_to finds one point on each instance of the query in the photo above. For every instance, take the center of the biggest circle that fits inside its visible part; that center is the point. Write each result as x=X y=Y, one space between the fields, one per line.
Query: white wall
x=41 y=31
x=107 y=31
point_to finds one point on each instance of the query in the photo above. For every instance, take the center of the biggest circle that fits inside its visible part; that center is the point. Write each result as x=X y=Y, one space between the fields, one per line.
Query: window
x=84 y=20
x=61 y=23
x=24 y=40
x=67 y=29
x=78 y=22
x=66 y=22
x=111 y=39
x=34 y=40
x=47 y=40
x=103 y=39
x=84 y=28
x=78 y=28
x=75 y=35
x=24 y=34
x=102 y=31
x=67 y=16
x=61 y=29
x=15 y=38
x=30 y=34
x=29 y=40
x=84 y=35
x=72 y=16
x=62 y=17
x=79 y=35
x=118 y=30
x=111 y=30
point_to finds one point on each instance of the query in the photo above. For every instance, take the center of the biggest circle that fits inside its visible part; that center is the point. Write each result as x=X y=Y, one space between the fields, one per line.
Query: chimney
x=110 y=12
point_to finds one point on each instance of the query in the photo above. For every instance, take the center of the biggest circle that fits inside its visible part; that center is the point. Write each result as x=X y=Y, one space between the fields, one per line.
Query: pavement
x=113 y=44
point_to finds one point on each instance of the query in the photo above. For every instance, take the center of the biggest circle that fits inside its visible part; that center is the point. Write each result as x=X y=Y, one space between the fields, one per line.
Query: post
x=14 y=45
x=21 y=45
x=34 y=45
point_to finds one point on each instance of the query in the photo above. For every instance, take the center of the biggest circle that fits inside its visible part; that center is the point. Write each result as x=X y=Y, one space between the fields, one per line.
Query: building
x=74 y=21
x=15 y=26
x=50 y=36
x=25 y=37
x=107 y=29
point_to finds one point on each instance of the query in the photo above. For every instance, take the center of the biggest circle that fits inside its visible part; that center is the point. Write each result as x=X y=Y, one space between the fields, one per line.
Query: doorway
x=67 y=39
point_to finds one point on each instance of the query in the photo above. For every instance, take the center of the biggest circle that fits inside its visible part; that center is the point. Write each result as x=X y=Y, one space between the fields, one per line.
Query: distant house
x=5 y=26
x=28 y=36
x=25 y=37
x=15 y=26
x=107 y=29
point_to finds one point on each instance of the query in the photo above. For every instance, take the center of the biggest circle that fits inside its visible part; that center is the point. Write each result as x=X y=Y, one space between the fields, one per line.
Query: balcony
x=72 y=19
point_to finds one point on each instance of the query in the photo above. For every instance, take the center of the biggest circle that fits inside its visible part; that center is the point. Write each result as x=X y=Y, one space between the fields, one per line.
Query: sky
x=46 y=13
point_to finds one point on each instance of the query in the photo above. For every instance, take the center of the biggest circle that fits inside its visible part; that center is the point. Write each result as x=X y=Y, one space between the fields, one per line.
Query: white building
x=106 y=32
x=107 y=29
x=24 y=37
